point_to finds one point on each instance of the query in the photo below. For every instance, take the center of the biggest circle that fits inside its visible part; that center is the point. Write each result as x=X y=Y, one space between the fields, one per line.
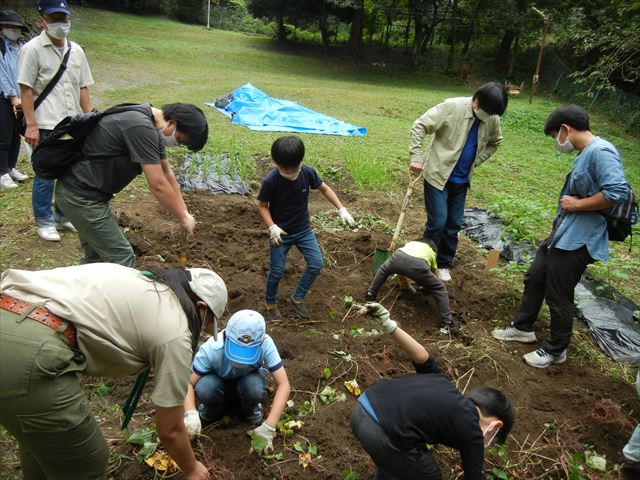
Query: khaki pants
x=42 y=403
x=99 y=232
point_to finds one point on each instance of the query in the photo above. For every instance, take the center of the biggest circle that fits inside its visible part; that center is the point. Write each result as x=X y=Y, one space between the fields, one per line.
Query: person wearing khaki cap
x=103 y=320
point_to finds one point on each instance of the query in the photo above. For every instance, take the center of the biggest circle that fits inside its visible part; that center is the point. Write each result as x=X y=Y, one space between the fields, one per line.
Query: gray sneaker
x=271 y=314
x=512 y=334
x=299 y=308
x=542 y=359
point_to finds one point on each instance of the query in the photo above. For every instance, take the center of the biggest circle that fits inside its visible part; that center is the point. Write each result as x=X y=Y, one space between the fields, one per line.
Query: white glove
x=267 y=432
x=275 y=235
x=346 y=217
x=192 y=422
x=379 y=317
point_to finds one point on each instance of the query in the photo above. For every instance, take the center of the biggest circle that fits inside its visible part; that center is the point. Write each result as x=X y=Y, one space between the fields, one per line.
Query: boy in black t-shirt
x=283 y=206
x=395 y=418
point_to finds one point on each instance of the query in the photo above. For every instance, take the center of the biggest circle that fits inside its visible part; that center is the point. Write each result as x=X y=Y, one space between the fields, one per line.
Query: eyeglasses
x=489 y=444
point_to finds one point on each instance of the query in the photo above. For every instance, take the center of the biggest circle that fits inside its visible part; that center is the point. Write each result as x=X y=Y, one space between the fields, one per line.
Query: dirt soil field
x=559 y=409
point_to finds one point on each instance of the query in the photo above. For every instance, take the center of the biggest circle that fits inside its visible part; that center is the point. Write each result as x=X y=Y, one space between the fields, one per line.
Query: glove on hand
x=346 y=217
x=379 y=317
x=275 y=235
x=267 y=432
x=192 y=422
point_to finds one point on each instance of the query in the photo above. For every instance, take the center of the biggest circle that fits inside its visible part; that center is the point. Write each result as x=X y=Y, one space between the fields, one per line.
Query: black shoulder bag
x=21 y=123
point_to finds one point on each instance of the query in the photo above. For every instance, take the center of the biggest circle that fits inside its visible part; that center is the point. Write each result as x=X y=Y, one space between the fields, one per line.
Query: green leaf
x=104 y=389
x=333 y=314
x=327 y=372
x=313 y=450
x=141 y=437
x=348 y=474
x=501 y=474
x=147 y=450
x=298 y=447
x=258 y=443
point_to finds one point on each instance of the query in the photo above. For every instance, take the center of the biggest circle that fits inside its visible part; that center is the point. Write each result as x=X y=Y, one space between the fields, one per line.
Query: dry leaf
x=162 y=462
x=353 y=387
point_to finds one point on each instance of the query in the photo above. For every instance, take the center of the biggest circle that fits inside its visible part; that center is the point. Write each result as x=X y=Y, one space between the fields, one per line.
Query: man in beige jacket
x=466 y=132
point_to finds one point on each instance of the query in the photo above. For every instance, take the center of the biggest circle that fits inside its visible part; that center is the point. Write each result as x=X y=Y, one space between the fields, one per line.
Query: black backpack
x=63 y=147
x=621 y=217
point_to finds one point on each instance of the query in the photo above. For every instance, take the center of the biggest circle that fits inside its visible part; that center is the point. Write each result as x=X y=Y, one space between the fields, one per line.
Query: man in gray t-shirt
x=119 y=148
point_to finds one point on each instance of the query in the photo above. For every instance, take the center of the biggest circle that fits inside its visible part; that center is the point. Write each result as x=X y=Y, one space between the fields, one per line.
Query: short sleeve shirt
x=39 y=61
x=210 y=358
x=113 y=153
x=289 y=200
x=125 y=322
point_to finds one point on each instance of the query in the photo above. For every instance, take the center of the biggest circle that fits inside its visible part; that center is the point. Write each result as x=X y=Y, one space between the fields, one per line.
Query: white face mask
x=290 y=176
x=59 y=30
x=567 y=146
x=12 y=34
x=481 y=115
x=168 y=140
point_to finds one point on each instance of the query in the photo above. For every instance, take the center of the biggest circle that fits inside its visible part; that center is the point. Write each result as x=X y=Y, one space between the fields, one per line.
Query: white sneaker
x=444 y=274
x=66 y=226
x=49 y=233
x=512 y=334
x=6 y=182
x=17 y=176
x=542 y=359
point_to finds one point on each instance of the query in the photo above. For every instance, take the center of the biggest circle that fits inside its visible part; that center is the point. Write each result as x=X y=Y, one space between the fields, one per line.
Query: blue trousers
x=445 y=211
x=308 y=246
x=220 y=396
x=41 y=197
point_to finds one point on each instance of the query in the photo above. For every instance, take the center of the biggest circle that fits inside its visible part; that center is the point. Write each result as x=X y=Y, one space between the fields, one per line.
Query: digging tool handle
x=132 y=400
x=405 y=203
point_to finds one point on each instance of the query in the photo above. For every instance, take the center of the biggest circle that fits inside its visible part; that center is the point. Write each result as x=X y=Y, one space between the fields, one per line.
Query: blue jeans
x=41 y=197
x=445 y=211
x=220 y=396
x=308 y=246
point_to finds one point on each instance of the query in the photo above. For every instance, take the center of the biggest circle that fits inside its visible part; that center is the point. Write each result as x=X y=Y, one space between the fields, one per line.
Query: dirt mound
x=232 y=240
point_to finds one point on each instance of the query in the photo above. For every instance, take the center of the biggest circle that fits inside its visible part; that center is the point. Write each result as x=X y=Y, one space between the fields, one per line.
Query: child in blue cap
x=228 y=375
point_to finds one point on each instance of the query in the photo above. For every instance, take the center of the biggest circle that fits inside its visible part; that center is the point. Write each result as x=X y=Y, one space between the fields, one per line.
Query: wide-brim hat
x=244 y=334
x=9 y=17
x=48 y=7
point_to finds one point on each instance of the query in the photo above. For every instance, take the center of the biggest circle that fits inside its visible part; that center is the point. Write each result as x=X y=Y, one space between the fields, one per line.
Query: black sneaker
x=299 y=308
x=272 y=313
x=369 y=296
x=452 y=327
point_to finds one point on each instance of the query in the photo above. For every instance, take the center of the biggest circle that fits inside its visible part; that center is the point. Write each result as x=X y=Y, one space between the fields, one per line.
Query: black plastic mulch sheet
x=217 y=173
x=611 y=317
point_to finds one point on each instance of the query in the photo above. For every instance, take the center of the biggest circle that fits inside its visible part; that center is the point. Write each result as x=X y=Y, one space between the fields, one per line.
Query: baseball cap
x=244 y=334
x=9 y=17
x=208 y=285
x=47 y=7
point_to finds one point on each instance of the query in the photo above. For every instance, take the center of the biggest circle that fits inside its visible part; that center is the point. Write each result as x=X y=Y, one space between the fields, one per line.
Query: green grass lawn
x=140 y=59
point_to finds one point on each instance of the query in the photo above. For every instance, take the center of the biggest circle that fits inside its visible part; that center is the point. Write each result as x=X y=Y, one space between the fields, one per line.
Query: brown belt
x=40 y=314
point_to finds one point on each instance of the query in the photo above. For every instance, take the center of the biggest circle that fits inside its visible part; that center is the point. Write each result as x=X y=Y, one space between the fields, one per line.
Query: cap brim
x=241 y=354
x=14 y=24
x=50 y=11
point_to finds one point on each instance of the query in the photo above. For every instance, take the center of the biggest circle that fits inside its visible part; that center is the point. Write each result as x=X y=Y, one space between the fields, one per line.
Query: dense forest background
x=591 y=54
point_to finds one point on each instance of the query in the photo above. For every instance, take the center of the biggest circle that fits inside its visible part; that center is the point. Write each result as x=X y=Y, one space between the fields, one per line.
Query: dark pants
x=552 y=277
x=391 y=463
x=445 y=211
x=9 y=138
x=417 y=270
x=241 y=395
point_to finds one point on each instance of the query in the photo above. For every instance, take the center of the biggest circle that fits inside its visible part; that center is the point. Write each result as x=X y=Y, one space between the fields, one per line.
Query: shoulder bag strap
x=54 y=80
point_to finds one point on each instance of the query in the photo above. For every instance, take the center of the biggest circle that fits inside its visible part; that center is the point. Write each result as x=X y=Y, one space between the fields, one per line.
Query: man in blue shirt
x=578 y=237
x=11 y=30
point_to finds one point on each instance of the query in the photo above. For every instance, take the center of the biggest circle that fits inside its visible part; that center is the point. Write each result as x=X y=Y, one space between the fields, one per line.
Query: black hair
x=492 y=98
x=177 y=279
x=288 y=151
x=494 y=403
x=429 y=242
x=572 y=115
x=190 y=121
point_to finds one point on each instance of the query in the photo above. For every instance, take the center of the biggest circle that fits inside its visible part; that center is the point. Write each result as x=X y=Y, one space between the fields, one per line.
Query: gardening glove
x=192 y=422
x=379 y=317
x=346 y=217
x=267 y=432
x=275 y=235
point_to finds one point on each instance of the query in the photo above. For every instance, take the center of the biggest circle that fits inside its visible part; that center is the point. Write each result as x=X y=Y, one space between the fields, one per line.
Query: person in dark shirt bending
x=395 y=418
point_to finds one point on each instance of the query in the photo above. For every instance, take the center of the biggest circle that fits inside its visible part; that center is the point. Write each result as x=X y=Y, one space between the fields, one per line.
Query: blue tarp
x=254 y=109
